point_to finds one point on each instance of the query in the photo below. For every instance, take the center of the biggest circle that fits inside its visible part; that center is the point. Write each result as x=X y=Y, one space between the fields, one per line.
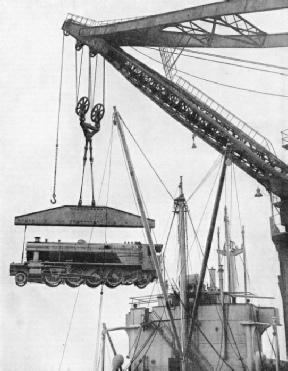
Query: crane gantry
x=199 y=27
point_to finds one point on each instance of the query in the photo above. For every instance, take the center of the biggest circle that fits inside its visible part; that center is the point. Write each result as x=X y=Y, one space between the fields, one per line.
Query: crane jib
x=206 y=123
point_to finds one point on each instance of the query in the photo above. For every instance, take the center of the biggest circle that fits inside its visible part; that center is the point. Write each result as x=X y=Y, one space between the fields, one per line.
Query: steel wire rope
x=97 y=356
x=216 y=82
x=58 y=123
x=23 y=249
x=146 y=158
x=200 y=222
x=89 y=77
x=130 y=181
x=148 y=339
x=227 y=63
x=79 y=78
x=109 y=176
x=271 y=343
x=65 y=344
x=136 y=346
x=238 y=60
x=104 y=82
x=95 y=80
x=209 y=172
x=202 y=254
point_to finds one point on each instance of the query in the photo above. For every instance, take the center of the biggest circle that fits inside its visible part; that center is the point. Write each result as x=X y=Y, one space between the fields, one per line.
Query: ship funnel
x=117 y=362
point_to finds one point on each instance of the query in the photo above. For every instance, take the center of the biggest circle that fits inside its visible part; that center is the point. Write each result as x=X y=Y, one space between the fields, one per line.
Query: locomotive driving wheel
x=95 y=279
x=114 y=278
x=77 y=280
x=21 y=279
x=142 y=281
x=52 y=280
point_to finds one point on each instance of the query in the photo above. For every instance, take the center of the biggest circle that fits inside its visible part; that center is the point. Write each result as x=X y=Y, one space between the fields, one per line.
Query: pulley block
x=82 y=106
x=97 y=114
x=78 y=46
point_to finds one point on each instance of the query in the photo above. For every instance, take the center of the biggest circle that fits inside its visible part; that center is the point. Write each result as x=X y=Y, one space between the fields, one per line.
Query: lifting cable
x=69 y=328
x=109 y=177
x=95 y=79
x=53 y=201
x=104 y=81
x=97 y=356
x=79 y=78
x=23 y=251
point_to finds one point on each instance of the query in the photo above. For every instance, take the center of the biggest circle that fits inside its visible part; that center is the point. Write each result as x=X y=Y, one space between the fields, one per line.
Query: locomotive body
x=92 y=264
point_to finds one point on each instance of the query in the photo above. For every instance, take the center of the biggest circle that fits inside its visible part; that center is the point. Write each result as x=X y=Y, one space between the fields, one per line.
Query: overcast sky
x=35 y=319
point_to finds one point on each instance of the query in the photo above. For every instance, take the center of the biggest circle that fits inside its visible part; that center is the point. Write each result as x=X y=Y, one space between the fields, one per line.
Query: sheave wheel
x=97 y=113
x=82 y=106
x=21 y=279
x=77 y=280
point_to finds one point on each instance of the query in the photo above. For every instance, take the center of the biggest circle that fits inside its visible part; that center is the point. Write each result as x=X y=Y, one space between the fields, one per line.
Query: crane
x=219 y=128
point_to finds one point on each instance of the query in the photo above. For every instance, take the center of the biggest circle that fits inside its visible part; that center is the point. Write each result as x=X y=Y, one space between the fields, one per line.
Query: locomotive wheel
x=141 y=285
x=95 y=279
x=114 y=278
x=52 y=280
x=97 y=113
x=21 y=279
x=82 y=106
x=75 y=281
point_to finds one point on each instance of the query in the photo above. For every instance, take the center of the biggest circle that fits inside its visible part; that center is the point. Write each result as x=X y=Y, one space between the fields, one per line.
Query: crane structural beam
x=195 y=115
x=178 y=28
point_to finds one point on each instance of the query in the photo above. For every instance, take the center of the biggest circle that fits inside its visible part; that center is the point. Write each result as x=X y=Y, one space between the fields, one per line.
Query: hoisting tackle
x=89 y=131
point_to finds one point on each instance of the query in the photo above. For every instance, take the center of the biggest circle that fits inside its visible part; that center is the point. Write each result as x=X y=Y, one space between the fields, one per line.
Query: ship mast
x=181 y=209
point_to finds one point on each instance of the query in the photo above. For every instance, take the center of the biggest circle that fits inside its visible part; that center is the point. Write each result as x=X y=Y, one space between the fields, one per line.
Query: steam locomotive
x=55 y=263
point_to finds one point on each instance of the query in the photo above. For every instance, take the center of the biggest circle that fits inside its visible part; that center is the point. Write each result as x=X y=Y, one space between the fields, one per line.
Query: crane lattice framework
x=199 y=27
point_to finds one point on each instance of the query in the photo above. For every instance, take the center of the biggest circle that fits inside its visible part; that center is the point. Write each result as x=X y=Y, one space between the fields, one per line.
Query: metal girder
x=195 y=115
x=150 y=31
x=83 y=216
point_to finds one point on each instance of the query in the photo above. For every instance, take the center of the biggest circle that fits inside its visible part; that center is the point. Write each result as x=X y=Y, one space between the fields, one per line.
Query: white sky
x=35 y=319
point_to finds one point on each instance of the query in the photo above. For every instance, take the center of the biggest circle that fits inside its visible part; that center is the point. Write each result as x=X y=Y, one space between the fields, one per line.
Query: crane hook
x=54 y=199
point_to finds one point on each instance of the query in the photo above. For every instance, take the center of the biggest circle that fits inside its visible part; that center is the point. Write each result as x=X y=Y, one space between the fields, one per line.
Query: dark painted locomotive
x=92 y=264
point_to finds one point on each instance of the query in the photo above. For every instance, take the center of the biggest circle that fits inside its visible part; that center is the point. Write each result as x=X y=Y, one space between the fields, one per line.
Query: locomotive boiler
x=112 y=264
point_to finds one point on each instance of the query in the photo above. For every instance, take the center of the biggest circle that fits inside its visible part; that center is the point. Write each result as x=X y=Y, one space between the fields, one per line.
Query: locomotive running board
x=83 y=216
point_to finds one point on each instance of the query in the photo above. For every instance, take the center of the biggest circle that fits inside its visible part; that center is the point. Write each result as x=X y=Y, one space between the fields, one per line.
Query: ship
x=190 y=324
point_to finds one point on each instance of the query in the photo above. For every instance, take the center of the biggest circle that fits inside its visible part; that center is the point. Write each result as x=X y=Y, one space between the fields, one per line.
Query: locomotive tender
x=92 y=264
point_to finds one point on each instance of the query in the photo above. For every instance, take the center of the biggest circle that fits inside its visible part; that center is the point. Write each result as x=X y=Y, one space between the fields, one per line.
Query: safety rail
x=92 y=23
x=234 y=120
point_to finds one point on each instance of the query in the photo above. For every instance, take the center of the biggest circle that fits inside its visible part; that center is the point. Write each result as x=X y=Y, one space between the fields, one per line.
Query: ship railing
x=144 y=300
x=93 y=23
x=221 y=110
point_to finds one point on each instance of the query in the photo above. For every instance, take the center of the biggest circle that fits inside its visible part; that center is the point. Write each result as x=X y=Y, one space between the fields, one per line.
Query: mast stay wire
x=53 y=201
x=97 y=355
x=230 y=64
x=70 y=324
x=137 y=144
x=216 y=82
